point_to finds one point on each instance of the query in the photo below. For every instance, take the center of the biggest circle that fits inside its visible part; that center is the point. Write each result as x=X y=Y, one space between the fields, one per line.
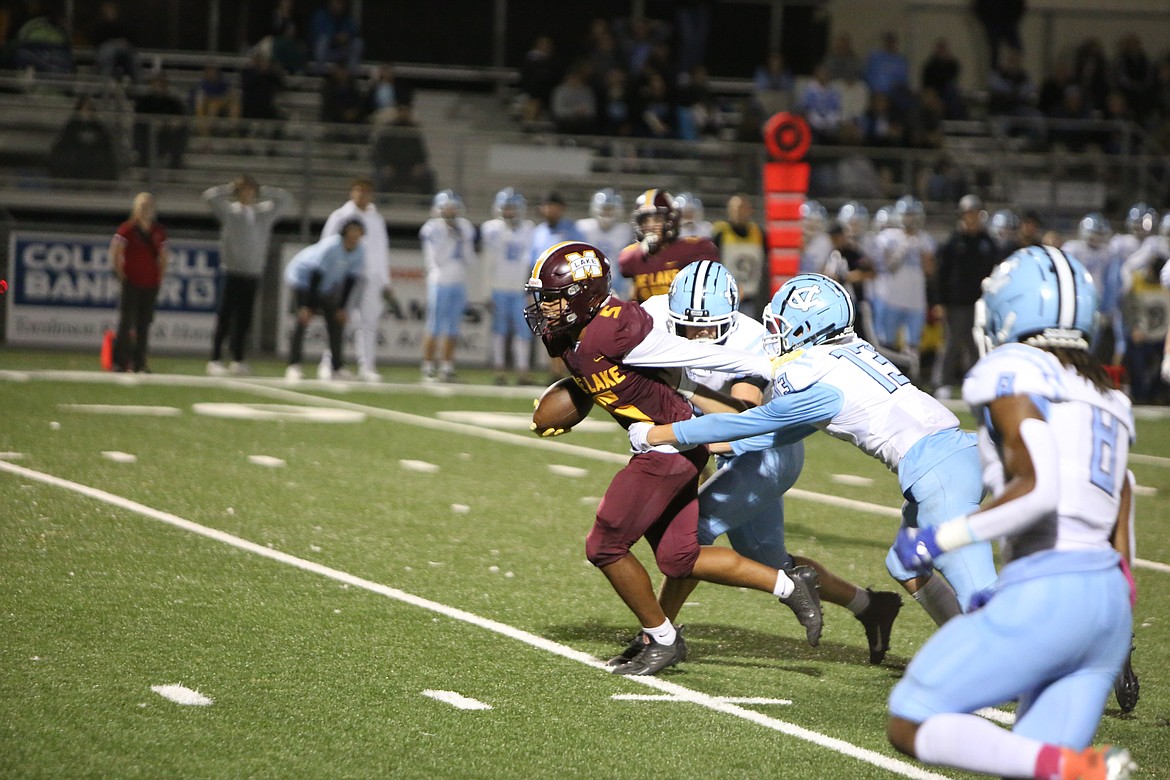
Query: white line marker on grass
x=127 y=409
x=267 y=460
x=872 y=757
x=119 y=457
x=1145 y=490
x=1149 y=460
x=458 y=701
x=11 y=455
x=851 y=479
x=754 y=700
x=181 y=694
x=567 y=471
x=421 y=466
x=999 y=716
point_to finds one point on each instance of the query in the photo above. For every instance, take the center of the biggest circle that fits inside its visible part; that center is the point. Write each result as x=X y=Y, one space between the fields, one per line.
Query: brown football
x=562 y=405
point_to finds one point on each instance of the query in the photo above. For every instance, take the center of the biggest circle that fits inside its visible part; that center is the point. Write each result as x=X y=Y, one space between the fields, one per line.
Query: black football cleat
x=632 y=649
x=1126 y=687
x=805 y=602
x=878 y=619
x=652 y=658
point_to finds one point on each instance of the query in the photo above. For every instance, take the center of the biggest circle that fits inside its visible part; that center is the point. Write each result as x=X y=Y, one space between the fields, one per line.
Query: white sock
x=428 y=367
x=499 y=344
x=446 y=367
x=972 y=743
x=664 y=635
x=859 y=603
x=784 y=586
x=520 y=349
x=938 y=599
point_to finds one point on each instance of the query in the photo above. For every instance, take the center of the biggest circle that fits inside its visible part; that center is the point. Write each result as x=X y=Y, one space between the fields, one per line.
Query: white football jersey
x=1124 y=244
x=901 y=279
x=867 y=401
x=506 y=253
x=1096 y=261
x=746 y=335
x=611 y=241
x=1093 y=432
x=448 y=250
x=702 y=229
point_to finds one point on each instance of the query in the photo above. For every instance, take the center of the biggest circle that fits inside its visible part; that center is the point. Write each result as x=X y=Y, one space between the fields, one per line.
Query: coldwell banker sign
x=63 y=293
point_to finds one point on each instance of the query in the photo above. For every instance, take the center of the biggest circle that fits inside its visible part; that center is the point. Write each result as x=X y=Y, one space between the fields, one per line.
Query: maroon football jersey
x=652 y=274
x=629 y=394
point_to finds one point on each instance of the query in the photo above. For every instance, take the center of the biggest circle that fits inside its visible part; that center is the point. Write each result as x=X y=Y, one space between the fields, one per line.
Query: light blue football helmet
x=1141 y=220
x=854 y=218
x=704 y=294
x=509 y=205
x=910 y=212
x=447 y=204
x=689 y=207
x=808 y=309
x=607 y=207
x=1040 y=296
x=814 y=217
x=1004 y=225
x=1094 y=229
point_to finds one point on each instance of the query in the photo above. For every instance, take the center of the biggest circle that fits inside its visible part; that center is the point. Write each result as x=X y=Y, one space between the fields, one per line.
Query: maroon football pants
x=655 y=496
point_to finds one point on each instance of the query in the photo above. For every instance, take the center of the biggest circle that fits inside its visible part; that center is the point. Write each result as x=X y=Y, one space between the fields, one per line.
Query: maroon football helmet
x=569 y=284
x=656 y=203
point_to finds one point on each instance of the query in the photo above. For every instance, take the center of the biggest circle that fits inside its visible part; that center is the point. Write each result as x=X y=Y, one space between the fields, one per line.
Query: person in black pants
x=139 y=254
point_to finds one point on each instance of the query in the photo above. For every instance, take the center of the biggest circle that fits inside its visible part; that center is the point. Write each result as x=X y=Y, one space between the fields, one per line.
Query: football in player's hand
x=561 y=406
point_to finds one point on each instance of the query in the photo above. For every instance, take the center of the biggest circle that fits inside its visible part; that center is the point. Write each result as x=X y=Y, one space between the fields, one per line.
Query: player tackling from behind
x=1054 y=437
x=612 y=349
x=745 y=497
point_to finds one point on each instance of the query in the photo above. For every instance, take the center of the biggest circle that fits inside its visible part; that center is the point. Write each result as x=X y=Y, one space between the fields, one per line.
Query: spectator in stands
x=656 y=114
x=1161 y=91
x=820 y=102
x=260 y=83
x=539 y=74
x=84 y=149
x=138 y=252
x=602 y=53
x=288 y=50
x=341 y=100
x=927 y=128
x=400 y=155
x=1001 y=23
x=772 y=85
x=42 y=43
x=842 y=62
x=1059 y=78
x=881 y=125
x=170 y=135
x=113 y=49
x=940 y=72
x=944 y=180
x=967 y=257
x=385 y=94
x=887 y=71
x=616 y=111
x=247 y=213
x=637 y=43
x=1012 y=93
x=334 y=37
x=1072 y=107
x=573 y=103
x=282 y=16
x=692 y=26
x=699 y=115
x=1091 y=73
x=1135 y=75
x=214 y=98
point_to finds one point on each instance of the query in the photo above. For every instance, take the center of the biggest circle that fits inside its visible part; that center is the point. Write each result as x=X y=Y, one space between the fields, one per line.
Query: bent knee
x=677 y=563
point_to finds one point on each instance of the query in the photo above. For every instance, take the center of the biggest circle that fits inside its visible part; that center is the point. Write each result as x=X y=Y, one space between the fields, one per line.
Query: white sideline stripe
x=539 y=642
x=724 y=699
x=456 y=700
x=119 y=457
x=11 y=455
x=267 y=460
x=851 y=479
x=567 y=471
x=181 y=694
x=1149 y=460
x=999 y=716
x=128 y=409
x=530 y=441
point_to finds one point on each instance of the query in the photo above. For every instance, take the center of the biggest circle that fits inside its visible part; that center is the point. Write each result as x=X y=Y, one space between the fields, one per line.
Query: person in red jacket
x=139 y=254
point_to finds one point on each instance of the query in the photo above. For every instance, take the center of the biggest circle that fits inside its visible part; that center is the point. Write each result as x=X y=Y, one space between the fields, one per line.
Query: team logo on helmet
x=805 y=298
x=584 y=265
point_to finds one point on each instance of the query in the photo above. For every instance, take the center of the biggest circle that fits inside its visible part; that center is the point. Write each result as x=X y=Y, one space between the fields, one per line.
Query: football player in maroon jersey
x=614 y=353
x=659 y=253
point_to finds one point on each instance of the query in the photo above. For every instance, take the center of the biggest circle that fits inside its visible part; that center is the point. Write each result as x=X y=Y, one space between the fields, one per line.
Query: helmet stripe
x=701 y=275
x=1066 y=288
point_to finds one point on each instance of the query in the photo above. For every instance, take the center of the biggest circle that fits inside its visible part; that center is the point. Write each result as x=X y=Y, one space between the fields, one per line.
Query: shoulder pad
x=1014 y=369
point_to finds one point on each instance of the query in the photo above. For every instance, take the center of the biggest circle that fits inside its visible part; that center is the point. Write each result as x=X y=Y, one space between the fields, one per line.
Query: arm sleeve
x=1013 y=516
x=281 y=200
x=660 y=349
x=332 y=225
x=815 y=404
x=217 y=198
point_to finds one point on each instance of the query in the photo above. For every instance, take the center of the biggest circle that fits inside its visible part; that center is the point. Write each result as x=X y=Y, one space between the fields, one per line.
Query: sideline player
x=745 y=497
x=448 y=245
x=1055 y=632
x=833 y=381
x=659 y=253
x=656 y=494
x=506 y=241
x=607 y=229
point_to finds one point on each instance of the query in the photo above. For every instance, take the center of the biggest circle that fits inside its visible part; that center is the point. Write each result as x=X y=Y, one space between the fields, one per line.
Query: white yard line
x=714 y=703
x=457 y=700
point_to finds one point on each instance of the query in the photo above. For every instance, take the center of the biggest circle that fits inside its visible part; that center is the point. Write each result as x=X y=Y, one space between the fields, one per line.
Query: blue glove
x=916 y=548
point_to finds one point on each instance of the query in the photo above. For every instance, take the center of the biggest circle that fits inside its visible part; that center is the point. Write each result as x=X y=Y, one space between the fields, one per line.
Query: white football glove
x=1166 y=368
x=638 y=432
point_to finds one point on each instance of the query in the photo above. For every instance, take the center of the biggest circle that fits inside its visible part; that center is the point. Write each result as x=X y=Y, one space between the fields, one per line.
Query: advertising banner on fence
x=400 y=331
x=63 y=293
